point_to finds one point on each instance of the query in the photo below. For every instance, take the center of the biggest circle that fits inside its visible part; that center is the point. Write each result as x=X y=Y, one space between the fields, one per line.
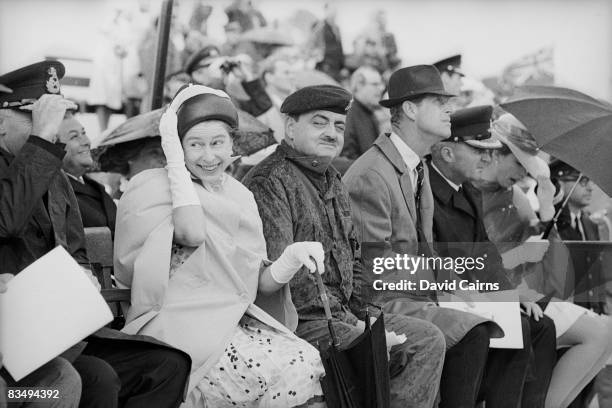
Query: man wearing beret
x=301 y=197
x=39 y=211
x=392 y=211
x=454 y=162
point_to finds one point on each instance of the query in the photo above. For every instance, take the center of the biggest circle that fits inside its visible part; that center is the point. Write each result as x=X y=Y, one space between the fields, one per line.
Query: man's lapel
x=388 y=149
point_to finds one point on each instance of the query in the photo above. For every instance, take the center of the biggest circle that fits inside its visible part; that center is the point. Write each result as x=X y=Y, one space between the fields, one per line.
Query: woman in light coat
x=190 y=244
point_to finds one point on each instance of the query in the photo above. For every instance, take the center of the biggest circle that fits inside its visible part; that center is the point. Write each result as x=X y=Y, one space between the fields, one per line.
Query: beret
x=473 y=126
x=318 y=97
x=31 y=82
x=198 y=103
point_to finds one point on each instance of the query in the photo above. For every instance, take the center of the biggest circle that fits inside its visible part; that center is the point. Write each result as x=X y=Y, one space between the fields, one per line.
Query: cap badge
x=52 y=84
x=349 y=105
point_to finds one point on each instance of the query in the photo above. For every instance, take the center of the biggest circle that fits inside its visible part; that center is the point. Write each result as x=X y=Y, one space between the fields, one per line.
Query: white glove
x=181 y=186
x=534 y=248
x=296 y=255
x=170 y=142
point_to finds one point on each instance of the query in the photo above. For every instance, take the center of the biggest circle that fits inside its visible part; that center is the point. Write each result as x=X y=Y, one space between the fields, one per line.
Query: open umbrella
x=358 y=376
x=569 y=125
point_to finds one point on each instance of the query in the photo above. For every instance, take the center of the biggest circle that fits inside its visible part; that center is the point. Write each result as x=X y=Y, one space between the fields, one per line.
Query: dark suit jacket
x=361 y=130
x=459 y=231
x=38 y=209
x=588 y=278
x=97 y=208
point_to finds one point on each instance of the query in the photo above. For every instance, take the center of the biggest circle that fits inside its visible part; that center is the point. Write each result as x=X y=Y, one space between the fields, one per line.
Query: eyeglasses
x=584 y=180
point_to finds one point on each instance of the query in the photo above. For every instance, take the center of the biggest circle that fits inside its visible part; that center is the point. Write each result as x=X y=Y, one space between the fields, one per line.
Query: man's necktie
x=424 y=248
x=419 y=186
x=577 y=226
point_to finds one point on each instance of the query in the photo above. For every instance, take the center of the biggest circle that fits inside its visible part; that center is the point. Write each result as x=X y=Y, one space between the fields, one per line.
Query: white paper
x=502 y=307
x=48 y=307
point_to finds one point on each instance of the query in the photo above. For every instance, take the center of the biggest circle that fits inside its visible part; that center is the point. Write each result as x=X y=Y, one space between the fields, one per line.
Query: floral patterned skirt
x=262 y=367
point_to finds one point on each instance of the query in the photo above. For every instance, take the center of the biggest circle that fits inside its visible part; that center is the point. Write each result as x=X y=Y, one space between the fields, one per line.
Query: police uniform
x=459 y=231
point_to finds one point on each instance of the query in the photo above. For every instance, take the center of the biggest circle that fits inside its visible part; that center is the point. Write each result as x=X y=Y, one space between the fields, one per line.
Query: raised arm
x=187 y=213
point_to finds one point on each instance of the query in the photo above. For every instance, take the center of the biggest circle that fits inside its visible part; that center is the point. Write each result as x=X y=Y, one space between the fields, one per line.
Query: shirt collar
x=79 y=179
x=577 y=215
x=408 y=155
x=456 y=187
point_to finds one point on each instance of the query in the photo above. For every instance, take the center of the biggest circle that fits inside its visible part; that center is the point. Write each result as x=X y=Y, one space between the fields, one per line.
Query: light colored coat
x=198 y=308
x=384 y=210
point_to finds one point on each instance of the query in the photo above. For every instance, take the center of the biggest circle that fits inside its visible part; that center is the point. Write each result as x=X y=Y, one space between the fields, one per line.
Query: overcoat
x=385 y=218
x=198 y=307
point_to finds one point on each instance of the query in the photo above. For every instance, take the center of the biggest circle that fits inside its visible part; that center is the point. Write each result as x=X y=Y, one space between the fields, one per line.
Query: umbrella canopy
x=569 y=125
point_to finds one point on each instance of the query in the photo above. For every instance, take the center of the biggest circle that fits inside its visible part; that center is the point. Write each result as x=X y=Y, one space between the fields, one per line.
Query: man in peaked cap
x=392 y=207
x=40 y=211
x=454 y=163
x=574 y=224
x=451 y=74
x=301 y=197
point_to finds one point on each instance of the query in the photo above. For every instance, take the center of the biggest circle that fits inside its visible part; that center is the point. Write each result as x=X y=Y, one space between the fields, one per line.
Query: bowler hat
x=408 y=83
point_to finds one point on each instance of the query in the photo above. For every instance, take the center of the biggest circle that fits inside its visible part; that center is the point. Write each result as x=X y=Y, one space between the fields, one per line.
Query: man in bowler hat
x=392 y=211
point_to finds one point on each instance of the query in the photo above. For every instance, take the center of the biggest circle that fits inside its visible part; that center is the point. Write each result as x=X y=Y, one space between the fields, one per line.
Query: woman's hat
x=512 y=133
x=410 y=82
x=198 y=103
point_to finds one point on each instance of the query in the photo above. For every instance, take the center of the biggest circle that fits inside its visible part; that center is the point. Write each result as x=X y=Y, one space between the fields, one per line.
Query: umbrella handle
x=549 y=227
x=552 y=222
x=325 y=301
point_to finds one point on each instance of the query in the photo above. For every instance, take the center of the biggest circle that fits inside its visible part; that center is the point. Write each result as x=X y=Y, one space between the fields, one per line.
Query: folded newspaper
x=47 y=308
